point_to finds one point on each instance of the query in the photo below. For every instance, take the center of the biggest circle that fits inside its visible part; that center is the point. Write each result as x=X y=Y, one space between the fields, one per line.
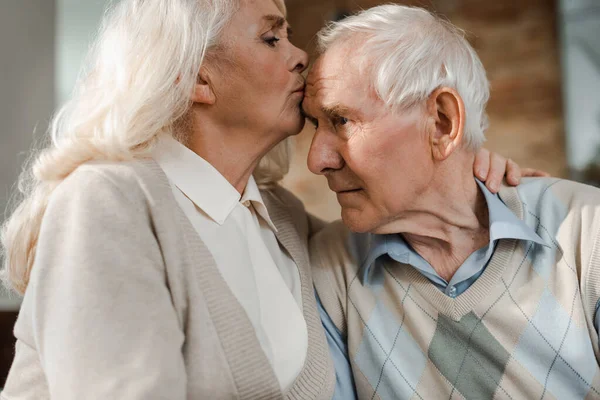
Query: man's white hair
x=410 y=52
x=137 y=84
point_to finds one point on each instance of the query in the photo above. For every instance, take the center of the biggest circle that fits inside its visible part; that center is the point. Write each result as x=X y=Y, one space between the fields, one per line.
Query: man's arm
x=344 y=380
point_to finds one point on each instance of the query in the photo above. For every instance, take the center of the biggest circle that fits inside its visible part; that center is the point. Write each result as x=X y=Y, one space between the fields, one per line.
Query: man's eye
x=272 y=41
x=340 y=121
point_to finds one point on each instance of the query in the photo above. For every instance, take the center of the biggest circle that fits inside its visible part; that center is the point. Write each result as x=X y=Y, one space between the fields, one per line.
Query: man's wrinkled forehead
x=319 y=87
x=333 y=75
x=323 y=75
x=326 y=79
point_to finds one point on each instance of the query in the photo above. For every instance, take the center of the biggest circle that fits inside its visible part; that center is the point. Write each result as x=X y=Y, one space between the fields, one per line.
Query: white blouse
x=241 y=237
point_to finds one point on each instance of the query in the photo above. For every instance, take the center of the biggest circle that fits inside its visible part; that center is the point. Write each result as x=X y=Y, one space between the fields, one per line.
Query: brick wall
x=517 y=41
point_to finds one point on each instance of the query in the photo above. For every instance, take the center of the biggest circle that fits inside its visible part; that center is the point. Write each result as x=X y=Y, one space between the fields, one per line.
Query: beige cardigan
x=125 y=301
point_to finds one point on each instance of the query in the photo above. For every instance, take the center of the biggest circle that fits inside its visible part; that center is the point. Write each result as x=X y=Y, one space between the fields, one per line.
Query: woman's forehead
x=281 y=6
x=253 y=4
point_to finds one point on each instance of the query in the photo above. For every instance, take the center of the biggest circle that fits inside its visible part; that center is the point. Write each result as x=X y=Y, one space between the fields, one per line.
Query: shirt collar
x=202 y=183
x=504 y=224
x=252 y=194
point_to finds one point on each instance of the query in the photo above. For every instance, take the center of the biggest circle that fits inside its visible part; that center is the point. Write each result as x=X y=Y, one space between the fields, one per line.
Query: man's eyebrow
x=336 y=110
x=332 y=112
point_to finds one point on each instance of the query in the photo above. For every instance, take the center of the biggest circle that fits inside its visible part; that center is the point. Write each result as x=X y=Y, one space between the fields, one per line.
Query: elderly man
x=440 y=289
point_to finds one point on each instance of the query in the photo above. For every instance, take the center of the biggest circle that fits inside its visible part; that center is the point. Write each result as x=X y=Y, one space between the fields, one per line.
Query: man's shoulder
x=560 y=208
x=338 y=250
x=551 y=201
x=555 y=190
x=565 y=214
x=336 y=257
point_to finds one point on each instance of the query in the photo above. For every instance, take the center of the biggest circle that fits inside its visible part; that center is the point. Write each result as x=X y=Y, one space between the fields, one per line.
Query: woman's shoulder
x=135 y=180
x=281 y=202
x=283 y=196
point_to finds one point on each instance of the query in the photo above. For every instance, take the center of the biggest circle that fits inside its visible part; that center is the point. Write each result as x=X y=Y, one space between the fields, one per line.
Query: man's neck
x=450 y=223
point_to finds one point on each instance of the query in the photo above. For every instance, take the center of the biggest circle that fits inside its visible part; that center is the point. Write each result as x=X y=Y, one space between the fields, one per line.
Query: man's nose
x=323 y=155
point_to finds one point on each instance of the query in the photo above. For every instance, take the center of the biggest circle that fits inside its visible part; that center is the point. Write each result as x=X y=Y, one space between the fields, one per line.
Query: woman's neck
x=235 y=153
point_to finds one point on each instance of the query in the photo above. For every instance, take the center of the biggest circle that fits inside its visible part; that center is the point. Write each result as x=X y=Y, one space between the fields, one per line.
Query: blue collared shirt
x=503 y=224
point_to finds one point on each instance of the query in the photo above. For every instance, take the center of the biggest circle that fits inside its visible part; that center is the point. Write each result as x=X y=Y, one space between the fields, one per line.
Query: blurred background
x=542 y=58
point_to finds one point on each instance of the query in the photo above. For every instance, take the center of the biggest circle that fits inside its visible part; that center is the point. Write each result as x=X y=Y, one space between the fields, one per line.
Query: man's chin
x=354 y=221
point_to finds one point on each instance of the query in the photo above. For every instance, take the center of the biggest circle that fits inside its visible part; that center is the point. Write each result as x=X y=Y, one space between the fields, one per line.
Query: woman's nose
x=300 y=60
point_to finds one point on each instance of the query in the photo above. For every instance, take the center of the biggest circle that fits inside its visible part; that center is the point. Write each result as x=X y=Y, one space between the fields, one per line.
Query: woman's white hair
x=410 y=52
x=137 y=84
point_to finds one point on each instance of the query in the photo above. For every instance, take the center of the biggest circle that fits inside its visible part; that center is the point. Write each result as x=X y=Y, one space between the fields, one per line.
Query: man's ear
x=446 y=108
x=203 y=92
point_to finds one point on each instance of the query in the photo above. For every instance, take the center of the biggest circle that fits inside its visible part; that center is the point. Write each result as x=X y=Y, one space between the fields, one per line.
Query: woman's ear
x=203 y=92
x=447 y=109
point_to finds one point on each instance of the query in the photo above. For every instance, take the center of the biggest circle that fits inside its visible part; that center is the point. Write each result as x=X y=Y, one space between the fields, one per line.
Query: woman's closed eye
x=271 y=41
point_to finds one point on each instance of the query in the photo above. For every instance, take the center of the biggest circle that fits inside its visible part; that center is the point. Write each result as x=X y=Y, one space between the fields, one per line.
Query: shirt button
x=452 y=292
x=247 y=203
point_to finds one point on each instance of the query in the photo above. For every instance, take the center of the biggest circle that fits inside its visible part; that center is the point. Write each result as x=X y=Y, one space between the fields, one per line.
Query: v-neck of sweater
x=504 y=256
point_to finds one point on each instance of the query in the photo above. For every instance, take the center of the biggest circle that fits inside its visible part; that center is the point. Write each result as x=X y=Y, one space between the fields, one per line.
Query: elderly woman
x=443 y=290
x=151 y=264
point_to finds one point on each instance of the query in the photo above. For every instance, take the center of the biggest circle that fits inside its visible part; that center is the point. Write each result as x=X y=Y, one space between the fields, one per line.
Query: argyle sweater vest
x=523 y=330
